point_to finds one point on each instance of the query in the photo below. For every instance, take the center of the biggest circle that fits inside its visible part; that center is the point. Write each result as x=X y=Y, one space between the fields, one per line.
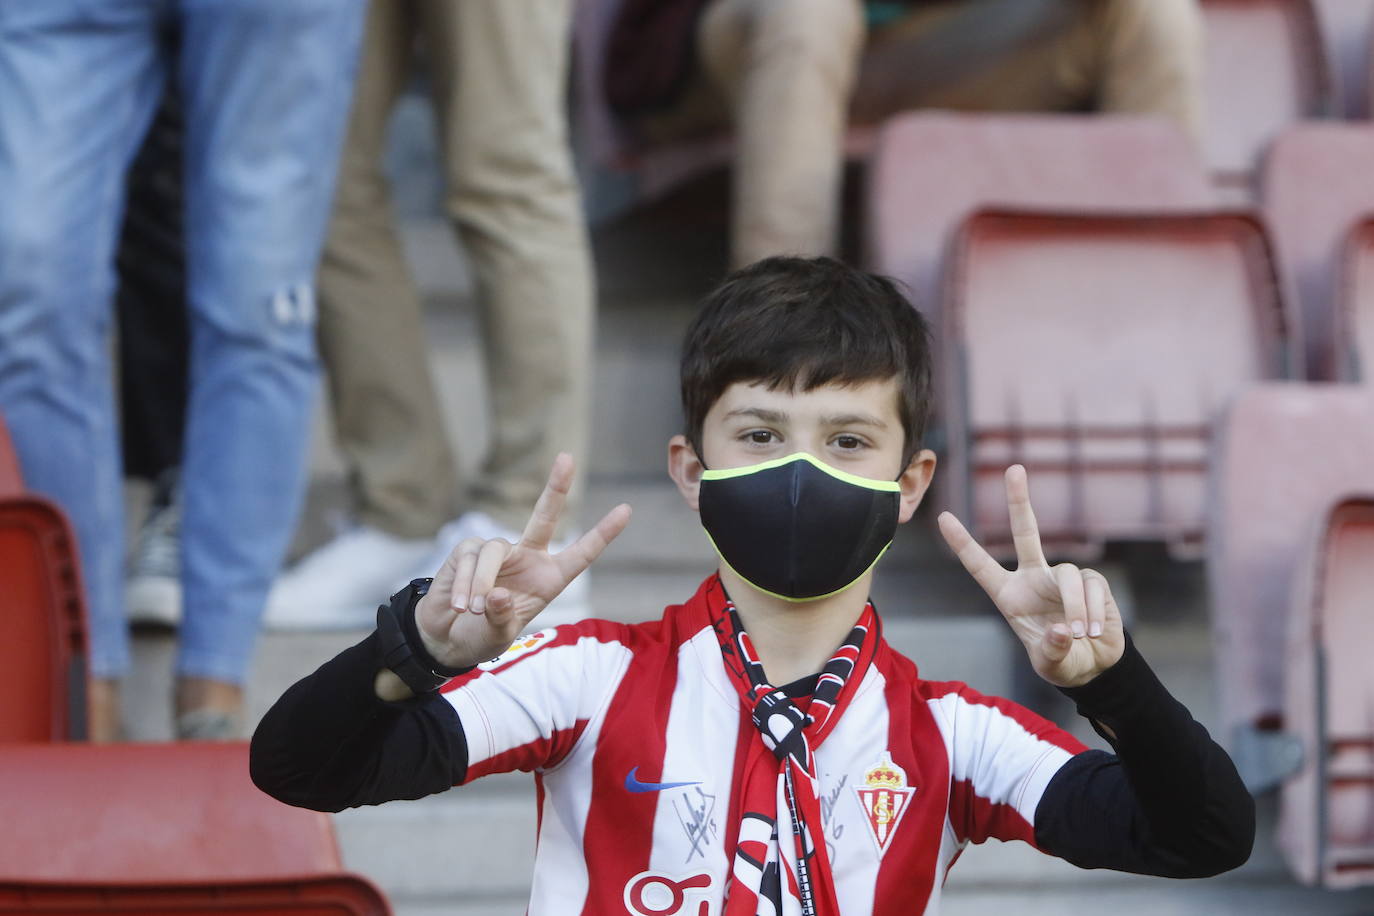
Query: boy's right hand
x=488 y=591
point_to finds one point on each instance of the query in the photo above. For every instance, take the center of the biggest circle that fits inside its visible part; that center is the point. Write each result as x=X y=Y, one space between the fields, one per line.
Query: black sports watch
x=402 y=650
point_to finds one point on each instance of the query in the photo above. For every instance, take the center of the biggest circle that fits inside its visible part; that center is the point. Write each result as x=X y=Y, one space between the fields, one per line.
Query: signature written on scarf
x=696 y=810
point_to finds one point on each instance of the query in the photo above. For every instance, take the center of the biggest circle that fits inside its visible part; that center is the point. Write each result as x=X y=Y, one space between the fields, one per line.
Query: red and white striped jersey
x=635 y=736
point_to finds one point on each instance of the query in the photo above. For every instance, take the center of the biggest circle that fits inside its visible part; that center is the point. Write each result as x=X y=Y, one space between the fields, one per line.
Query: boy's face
x=854 y=428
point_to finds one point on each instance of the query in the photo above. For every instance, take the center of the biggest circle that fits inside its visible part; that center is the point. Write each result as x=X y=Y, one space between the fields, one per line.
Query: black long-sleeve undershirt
x=1169 y=802
x=330 y=743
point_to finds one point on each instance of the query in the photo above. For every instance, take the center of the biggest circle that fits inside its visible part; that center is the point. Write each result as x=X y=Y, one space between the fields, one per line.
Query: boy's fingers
x=1070 y=582
x=1056 y=643
x=466 y=553
x=986 y=571
x=544 y=519
x=1095 y=592
x=1025 y=533
x=581 y=553
x=489 y=561
x=499 y=606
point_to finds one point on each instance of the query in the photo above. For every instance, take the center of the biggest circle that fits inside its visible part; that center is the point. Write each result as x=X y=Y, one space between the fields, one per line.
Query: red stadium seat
x=1265 y=68
x=1284 y=453
x=43 y=612
x=1316 y=186
x=167 y=828
x=1353 y=330
x=296 y=897
x=1326 y=826
x=930 y=170
x=1348 y=29
x=1098 y=351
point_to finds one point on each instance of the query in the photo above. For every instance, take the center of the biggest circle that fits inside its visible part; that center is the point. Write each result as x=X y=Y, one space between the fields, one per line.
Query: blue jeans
x=266 y=86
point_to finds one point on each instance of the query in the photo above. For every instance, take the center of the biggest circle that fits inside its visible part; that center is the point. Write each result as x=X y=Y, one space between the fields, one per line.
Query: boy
x=674 y=776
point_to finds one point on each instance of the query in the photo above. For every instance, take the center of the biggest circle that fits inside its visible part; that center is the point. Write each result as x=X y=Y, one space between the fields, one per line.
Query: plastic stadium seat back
x=1326 y=827
x=1265 y=67
x=1353 y=321
x=176 y=828
x=1348 y=30
x=42 y=610
x=1099 y=351
x=343 y=895
x=930 y=170
x=1316 y=187
x=1284 y=453
x=152 y=812
x=42 y=607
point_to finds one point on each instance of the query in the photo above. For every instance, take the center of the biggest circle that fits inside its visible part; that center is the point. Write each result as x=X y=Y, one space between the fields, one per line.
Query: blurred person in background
x=791 y=74
x=265 y=88
x=150 y=306
x=498 y=78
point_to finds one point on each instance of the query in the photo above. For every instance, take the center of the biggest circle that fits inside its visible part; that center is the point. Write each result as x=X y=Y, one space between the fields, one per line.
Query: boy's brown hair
x=800 y=323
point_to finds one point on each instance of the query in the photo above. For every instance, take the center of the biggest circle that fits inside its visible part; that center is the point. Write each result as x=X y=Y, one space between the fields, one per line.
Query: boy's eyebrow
x=766 y=415
x=758 y=413
x=854 y=419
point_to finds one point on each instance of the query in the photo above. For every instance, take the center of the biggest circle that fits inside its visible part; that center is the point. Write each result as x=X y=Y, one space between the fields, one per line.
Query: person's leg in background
x=372 y=343
x=266 y=88
x=81 y=82
x=499 y=87
x=1152 y=59
x=1130 y=56
x=500 y=75
x=150 y=304
x=786 y=68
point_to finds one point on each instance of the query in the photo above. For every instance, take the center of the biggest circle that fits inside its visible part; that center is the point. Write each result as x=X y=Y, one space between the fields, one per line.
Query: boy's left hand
x=1064 y=616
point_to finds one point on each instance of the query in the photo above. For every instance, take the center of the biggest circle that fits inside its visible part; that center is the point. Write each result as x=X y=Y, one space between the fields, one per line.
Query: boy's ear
x=915 y=480
x=685 y=468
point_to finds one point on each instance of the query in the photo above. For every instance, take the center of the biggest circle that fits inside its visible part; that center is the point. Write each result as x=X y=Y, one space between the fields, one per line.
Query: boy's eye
x=848 y=442
x=759 y=436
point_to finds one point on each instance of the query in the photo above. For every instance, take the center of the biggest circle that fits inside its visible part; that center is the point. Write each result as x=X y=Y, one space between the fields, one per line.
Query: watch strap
x=402 y=649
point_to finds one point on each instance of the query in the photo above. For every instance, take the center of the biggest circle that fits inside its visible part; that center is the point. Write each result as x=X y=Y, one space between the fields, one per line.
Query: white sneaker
x=152 y=591
x=339 y=585
x=570 y=606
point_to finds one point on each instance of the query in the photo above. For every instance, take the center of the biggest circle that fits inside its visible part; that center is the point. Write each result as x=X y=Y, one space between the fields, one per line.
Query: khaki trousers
x=498 y=70
x=790 y=75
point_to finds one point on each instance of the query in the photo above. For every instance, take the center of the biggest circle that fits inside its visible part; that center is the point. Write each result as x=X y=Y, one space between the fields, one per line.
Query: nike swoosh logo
x=634 y=785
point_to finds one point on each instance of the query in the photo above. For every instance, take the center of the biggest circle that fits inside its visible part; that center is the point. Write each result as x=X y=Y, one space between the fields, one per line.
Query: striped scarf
x=781 y=795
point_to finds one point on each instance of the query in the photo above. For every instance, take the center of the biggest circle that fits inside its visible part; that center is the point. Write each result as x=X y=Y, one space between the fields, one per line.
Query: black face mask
x=797 y=528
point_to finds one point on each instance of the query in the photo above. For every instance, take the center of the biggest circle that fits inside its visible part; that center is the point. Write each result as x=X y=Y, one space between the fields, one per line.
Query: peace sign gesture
x=1065 y=617
x=487 y=591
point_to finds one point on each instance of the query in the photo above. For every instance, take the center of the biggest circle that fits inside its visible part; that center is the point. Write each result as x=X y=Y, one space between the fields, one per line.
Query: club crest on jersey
x=884 y=797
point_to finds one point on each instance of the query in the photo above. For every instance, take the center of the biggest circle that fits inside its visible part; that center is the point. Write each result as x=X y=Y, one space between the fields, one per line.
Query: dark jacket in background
x=650 y=54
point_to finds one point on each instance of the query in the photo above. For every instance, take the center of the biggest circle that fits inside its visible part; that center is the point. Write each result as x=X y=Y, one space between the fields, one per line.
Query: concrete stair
x=468 y=852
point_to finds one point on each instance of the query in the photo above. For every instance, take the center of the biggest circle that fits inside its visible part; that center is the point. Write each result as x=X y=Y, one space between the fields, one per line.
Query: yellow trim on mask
x=787 y=598
x=885 y=486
